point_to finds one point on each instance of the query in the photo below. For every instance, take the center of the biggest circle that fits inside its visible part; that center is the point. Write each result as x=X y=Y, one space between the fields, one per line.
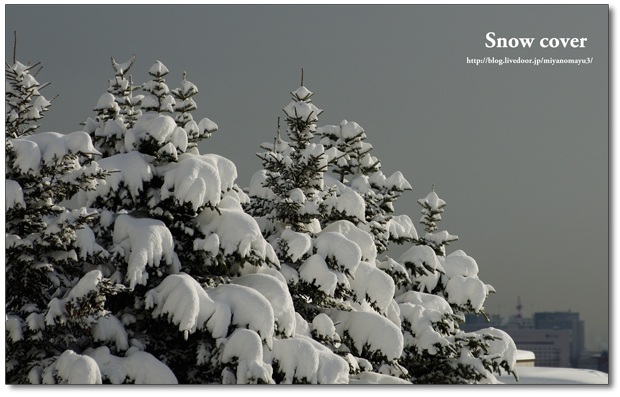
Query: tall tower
x=519 y=307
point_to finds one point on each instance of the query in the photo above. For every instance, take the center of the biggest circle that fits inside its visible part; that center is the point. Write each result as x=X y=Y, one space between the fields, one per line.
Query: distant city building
x=551 y=347
x=595 y=360
x=565 y=321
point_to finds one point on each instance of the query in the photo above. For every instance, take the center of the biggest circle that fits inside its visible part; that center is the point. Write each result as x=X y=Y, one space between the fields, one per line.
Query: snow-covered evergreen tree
x=433 y=295
x=342 y=300
x=115 y=112
x=161 y=276
x=24 y=103
x=184 y=105
x=178 y=238
x=361 y=172
x=432 y=208
x=123 y=89
x=51 y=301
x=158 y=98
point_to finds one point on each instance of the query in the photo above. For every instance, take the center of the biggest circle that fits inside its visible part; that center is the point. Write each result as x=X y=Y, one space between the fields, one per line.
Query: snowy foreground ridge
x=168 y=272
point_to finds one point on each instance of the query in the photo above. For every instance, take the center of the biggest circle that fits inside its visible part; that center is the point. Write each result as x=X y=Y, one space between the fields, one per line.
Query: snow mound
x=226 y=169
x=246 y=346
x=323 y=327
x=86 y=284
x=76 y=369
x=14 y=195
x=49 y=148
x=393 y=313
x=133 y=169
x=235 y=230
x=85 y=242
x=440 y=238
x=401 y=226
x=361 y=184
x=296 y=359
x=369 y=330
x=373 y=378
x=349 y=202
x=504 y=347
x=344 y=251
x=298 y=243
x=257 y=186
x=333 y=369
x=110 y=329
x=462 y=290
x=157 y=127
x=459 y=263
x=555 y=376
x=420 y=255
x=244 y=307
x=421 y=320
x=191 y=307
x=106 y=101
x=14 y=328
x=27 y=156
x=158 y=69
x=184 y=300
x=278 y=296
x=315 y=271
x=193 y=180
x=144 y=242
x=301 y=326
x=362 y=238
x=302 y=93
x=428 y=301
x=423 y=257
x=138 y=367
x=54 y=146
x=372 y=284
x=350 y=130
x=391 y=266
x=396 y=181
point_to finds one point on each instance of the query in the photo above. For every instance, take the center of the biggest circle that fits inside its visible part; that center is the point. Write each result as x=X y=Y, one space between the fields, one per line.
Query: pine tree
x=438 y=291
x=184 y=105
x=115 y=112
x=330 y=270
x=359 y=170
x=160 y=276
x=172 y=222
x=432 y=208
x=123 y=89
x=158 y=98
x=24 y=102
x=51 y=299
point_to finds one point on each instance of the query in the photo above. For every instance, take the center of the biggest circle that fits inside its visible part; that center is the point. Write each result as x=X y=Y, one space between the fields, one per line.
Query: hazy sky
x=519 y=152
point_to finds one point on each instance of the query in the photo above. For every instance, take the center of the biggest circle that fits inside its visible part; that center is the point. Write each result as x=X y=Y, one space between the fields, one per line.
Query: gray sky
x=519 y=152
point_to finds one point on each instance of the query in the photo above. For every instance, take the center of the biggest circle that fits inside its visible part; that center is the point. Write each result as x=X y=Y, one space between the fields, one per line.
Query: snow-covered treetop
x=302 y=110
x=158 y=70
x=24 y=103
x=122 y=68
x=302 y=94
x=187 y=89
x=432 y=201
